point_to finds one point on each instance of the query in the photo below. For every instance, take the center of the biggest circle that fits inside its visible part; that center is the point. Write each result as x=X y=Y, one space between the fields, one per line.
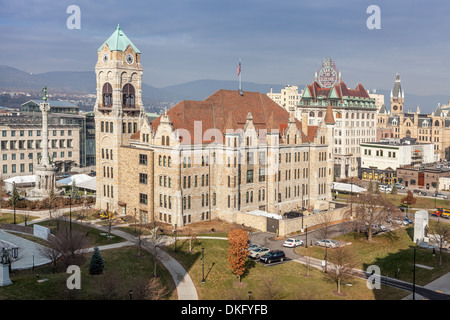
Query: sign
x=40 y=231
x=328 y=75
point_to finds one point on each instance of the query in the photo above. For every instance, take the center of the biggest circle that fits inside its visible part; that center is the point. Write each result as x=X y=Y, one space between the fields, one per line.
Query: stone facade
x=230 y=153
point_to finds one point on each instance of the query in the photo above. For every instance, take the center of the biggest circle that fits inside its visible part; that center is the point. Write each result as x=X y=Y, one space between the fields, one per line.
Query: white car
x=292 y=243
x=326 y=243
x=385 y=188
x=258 y=252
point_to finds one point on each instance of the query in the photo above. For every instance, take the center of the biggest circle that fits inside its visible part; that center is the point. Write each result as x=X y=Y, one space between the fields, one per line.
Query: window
x=107 y=93
x=128 y=95
x=143 y=178
x=143 y=198
x=143 y=159
x=249 y=176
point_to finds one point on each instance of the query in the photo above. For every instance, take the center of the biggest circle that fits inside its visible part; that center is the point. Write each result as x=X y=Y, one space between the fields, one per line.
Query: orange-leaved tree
x=237 y=252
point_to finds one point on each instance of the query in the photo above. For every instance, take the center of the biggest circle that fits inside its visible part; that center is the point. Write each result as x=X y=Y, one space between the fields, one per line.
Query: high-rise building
x=353 y=109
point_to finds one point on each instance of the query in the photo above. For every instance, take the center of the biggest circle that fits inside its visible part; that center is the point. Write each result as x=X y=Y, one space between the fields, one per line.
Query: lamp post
x=203 y=265
x=131 y=294
x=70 y=215
x=306 y=241
x=414 y=270
x=249 y=295
x=175 y=237
x=14 y=200
x=134 y=220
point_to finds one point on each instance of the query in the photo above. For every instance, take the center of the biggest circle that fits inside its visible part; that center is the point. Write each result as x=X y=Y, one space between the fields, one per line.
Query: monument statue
x=5 y=257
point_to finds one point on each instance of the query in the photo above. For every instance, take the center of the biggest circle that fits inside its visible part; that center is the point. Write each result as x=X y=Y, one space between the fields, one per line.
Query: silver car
x=326 y=243
x=258 y=252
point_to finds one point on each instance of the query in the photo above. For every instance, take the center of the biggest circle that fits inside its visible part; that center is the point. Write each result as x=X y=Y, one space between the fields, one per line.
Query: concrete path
x=186 y=289
x=441 y=285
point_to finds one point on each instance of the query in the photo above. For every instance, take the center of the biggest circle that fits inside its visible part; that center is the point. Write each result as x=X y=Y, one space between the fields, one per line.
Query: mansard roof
x=339 y=90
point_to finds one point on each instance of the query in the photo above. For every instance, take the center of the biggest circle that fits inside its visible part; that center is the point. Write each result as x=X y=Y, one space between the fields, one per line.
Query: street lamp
x=175 y=237
x=306 y=240
x=131 y=294
x=14 y=200
x=249 y=295
x=414 y=270
x=70 y=215
x=134 y=220
x=203 y=265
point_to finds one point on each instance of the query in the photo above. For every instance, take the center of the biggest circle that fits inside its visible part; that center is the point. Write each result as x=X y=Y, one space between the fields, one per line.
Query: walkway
x=30 y=251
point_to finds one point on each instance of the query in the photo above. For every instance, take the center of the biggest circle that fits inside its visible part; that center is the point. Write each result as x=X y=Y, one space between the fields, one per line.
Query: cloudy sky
x=281 y=42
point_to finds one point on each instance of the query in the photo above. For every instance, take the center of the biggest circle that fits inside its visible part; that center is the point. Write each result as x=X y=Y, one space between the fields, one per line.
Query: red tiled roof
x=341 y=88
x=227 y=110
x=136 y=135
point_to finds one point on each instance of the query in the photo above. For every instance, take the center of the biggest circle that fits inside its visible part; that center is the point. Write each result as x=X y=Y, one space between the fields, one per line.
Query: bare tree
x=152 y=244
x=341 y=260
x=440 y=234
x=324 y=221
x=68 y=245
x=372 y=209
x=269 y=288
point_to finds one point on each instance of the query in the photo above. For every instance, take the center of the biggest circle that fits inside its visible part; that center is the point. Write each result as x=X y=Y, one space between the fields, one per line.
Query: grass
x=421 y=203
x=122 y=265
x=95 y=236
x=9 y=218
x=392 y=251
x=284 y=281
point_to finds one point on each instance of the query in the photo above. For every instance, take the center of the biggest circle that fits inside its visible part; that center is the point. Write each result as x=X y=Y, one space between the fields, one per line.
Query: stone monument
x=421 y=224
x=45 y=169
x=4 y=268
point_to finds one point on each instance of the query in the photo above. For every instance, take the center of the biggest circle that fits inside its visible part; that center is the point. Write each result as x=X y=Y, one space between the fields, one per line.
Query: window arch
x=320 y=114
x=436 y=123
x=312 y=114
x=163 y=140
x=128 y=95
x=339 y=115
x=107 y=92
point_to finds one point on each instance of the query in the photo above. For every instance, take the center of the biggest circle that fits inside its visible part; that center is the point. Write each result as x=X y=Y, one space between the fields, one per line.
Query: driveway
x=266 y=239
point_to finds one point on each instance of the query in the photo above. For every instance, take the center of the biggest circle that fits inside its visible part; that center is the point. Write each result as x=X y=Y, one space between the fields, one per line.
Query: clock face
x=327 y=77
x=105 y=58
x=129 y=58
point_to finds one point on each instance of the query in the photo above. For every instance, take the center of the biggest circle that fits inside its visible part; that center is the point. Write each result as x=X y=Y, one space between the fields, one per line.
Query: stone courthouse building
x=235 y=151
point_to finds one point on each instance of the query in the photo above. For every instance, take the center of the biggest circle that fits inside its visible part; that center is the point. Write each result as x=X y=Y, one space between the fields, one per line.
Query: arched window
x=128 y=95
x=167 y=140
x=436 y=123
x=107 y=95
x=163 y=140
x=339 y=115
x=320 y=115
x=169 y=162
x=312 y=114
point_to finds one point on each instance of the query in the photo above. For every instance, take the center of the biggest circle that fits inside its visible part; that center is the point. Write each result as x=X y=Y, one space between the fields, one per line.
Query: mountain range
x=83 y=82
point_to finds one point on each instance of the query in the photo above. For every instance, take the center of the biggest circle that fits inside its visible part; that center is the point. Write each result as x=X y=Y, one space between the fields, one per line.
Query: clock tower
x=118 y=112
x=397 y=97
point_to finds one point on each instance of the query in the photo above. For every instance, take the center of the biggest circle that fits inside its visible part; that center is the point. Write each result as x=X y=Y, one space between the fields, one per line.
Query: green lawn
x=392 y=252
x=283 y=281
x=124 y=270
x=9 y=218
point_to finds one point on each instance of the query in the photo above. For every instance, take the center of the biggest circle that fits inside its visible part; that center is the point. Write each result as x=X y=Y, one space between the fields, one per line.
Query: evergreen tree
x=394 y=189
x=96 y=266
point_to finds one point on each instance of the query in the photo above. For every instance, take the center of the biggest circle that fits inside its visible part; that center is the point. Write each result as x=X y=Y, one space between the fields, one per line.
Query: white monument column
x=45 y=169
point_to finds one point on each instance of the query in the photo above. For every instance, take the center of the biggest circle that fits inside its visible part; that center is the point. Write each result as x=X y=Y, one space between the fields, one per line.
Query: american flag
x=239 y=69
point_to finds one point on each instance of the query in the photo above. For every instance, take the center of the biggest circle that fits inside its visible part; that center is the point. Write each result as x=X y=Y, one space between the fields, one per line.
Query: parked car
x=293 y=214
x=440 y=195
x=292 y=243
x=419 y=192
x=258 y=252
x=273 y=256
x=407 y=220
x=253 y=247
x=400 y=186
x=385 y=188
x=326 y=243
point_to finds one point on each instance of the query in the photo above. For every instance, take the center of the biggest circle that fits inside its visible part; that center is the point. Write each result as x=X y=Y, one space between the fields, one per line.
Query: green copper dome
x=118 y=41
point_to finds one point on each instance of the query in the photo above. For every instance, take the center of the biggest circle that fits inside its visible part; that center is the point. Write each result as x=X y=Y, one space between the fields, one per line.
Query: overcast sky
x=278 y=42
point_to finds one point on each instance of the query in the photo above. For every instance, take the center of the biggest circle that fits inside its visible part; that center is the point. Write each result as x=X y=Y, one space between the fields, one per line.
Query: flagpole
x=239 y=73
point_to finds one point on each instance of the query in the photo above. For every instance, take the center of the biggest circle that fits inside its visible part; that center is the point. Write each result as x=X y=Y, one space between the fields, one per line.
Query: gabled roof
x=118 y=41
x=227 y=110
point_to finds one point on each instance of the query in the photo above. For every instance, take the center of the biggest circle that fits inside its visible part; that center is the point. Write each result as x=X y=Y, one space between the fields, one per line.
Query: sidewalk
x=441 y=285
